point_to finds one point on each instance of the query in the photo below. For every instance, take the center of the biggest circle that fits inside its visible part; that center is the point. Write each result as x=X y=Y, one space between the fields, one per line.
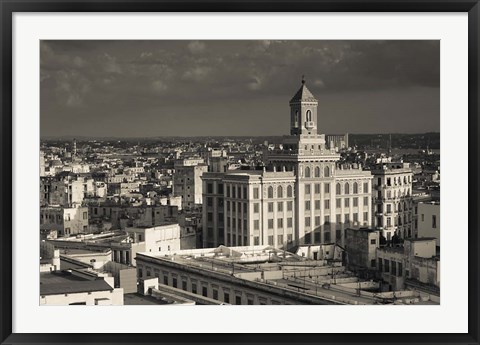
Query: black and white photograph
x=239 y=172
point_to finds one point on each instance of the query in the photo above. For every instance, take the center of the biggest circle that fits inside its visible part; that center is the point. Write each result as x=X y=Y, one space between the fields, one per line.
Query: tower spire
x=303 y=78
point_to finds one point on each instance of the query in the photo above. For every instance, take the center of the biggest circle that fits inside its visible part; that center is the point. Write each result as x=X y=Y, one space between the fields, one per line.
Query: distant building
x=429 y=220
x=392 y=200
x=336 y=142
x=415 y=264
x=361 y=248
x=65 y=220
x=187 y=181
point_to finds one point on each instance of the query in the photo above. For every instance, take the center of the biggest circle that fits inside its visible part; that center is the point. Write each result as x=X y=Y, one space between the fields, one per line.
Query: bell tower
x=303 y=112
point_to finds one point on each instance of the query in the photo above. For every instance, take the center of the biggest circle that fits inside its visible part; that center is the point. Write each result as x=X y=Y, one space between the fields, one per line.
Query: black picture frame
x=9 y=7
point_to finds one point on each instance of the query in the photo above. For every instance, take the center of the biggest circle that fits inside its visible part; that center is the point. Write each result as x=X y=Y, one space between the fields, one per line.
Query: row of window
x=346 y=188
x=392 y=267
x=316 y=171
x=205 y=289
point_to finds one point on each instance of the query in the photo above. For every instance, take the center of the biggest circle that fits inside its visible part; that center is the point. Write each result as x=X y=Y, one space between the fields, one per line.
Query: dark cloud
x=85 y=83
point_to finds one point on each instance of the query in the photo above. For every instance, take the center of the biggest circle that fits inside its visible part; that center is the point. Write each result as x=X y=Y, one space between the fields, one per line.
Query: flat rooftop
x=231 y=259
x=55 y=283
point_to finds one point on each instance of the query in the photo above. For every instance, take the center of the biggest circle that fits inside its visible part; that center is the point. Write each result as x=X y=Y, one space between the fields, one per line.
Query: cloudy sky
x=189 y=88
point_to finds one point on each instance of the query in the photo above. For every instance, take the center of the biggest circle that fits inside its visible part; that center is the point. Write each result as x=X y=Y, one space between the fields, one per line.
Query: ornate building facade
x=304 y=196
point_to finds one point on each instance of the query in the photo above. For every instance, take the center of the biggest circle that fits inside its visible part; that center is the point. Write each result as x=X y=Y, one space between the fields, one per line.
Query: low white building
x=429 y=220
x=78 y=288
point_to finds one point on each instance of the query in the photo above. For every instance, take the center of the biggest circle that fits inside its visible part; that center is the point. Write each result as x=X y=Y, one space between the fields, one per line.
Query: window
x=165 y=279
x=338 y=189
x=339 y=203
x=289 y=191
x=327 y=204
x=210 y=216
x=317 y=171
x=255 y=193
x=256 y=207
x=423 y=217
x=394 y=267
x=307 y=221
x=347 y=202
x=256 y=224
x=355 y=202
x=365 y=201
x=355 y=188
x=307 y=205
x=238 y=299
x=256 y=241
x=327 y=237
x=387 y=266
x=289 y=205
x=317 y=204
x=204 y=291
x=234 y=189
x=355 y=217
x=347 y=188
x=174 y=284
x=400 y=269
x=326 y=172
x=308 y=237
x=226 y=297
x=280 y=223
x=245 y=192
x=327 y=220
x=338 y=234
x=270 y=192
x=280 y=240
x=280 y=206
x=85 y=215
x=215 y=294
x=307 y=189
x=372 y=263
x=270 y=207
x=373 y=241
x=326 y=188
x=339 y=218
x=307 y=171
x=270 y=240
x=270 y=223
x=289 y=222
x=317 y=220
x=365 y=187
x=434 y=222
x=210 y=188
x=184 y=285
x=309 y=115
x=347 y=218
x=317 y=188
x=280 y=192
x=220 y=188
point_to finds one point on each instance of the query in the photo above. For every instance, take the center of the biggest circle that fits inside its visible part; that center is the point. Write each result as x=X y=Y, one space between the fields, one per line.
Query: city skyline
x=194 y=88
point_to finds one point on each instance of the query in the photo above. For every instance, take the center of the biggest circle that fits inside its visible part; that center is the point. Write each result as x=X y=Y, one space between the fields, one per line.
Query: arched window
x=347 y=188
x=309 y=115
x=326 y=173
x=355 y=188
x=307 y=171
x=317 y=171
x=289 y=191
x=338 y=189
x=280 y=192
x=295 y=124
x=270 y=192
